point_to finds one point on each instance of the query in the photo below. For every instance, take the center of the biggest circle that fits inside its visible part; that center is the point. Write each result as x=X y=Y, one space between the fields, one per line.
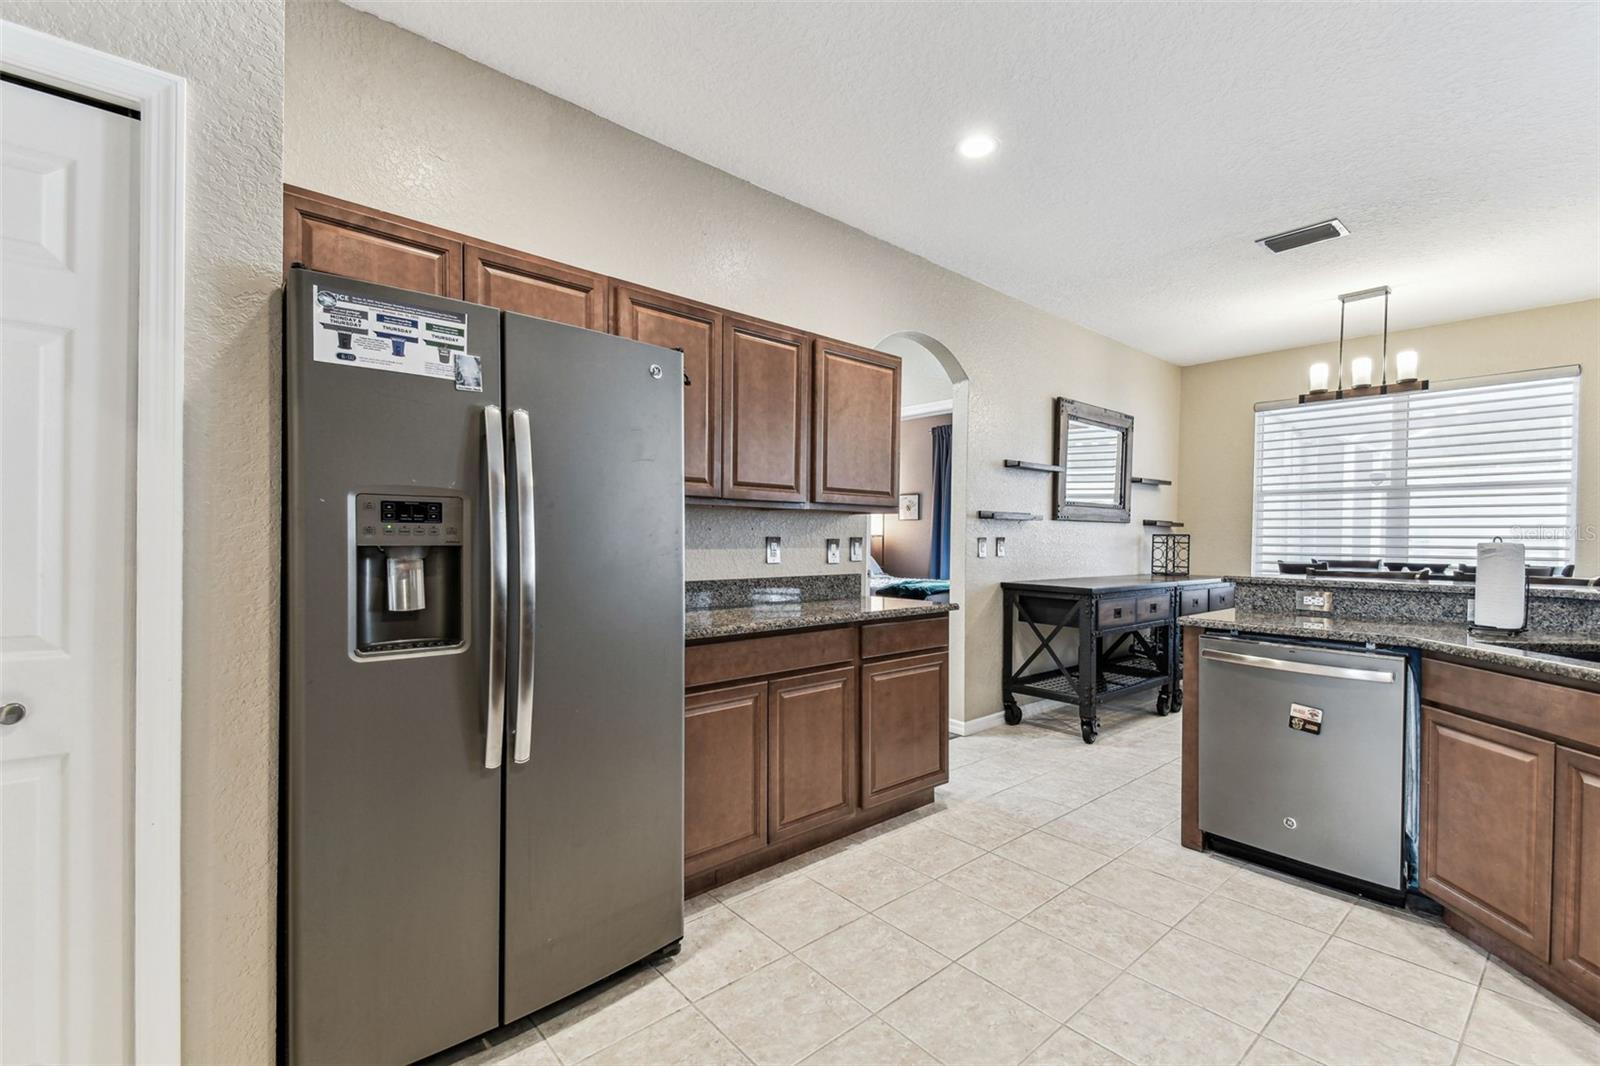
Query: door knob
x=12 y=713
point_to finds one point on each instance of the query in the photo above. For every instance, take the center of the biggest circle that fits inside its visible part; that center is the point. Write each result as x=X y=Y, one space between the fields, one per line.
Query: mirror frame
x=1077 y=510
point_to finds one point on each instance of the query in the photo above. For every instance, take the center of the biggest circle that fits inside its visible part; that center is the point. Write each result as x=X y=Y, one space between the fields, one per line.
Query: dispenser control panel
x=383 y=519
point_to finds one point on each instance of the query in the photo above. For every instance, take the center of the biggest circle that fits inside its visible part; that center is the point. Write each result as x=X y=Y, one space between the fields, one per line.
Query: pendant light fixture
x=1361 y=385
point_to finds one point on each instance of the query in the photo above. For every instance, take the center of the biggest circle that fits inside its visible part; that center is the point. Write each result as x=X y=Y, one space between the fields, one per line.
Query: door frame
x=157 y=709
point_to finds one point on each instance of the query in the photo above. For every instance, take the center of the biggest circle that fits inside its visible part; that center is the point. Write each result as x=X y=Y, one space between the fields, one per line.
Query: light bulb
x=977 y=145
x=1319 y=377
x=1405 y=365
x=1361 y=371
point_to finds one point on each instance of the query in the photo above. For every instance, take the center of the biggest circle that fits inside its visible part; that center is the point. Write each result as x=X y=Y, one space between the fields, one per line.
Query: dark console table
x=1127 y=637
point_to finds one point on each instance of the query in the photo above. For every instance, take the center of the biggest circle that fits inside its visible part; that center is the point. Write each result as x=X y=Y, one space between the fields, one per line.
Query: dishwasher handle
x=1289 y=666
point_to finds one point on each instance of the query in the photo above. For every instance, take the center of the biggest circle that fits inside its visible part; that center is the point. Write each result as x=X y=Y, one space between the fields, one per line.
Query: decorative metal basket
x=1169 y=554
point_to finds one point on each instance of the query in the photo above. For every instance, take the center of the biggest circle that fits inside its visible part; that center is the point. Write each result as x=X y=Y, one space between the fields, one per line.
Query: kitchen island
x=808 y=715
x=1509 y=833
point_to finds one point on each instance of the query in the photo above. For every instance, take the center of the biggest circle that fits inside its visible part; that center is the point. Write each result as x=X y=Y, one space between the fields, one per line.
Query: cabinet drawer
x=1220 y=598
x=1118 y=612
x=896 y=638
x=732 y=660
x=1155 y=608
x=1193 y=601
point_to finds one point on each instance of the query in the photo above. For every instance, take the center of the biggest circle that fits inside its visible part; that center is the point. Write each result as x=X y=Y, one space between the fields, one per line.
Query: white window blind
x=1420 y=477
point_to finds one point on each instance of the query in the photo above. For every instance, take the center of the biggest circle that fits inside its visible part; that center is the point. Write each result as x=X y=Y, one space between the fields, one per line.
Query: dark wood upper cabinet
x=724 y=775
x=1575 y=946
x=528 y=285
x=696 y=330
x=905 y=726
x=766 y=403
x=811 y=751
x=1487 y=825
x=855 y=426
x=336 y=237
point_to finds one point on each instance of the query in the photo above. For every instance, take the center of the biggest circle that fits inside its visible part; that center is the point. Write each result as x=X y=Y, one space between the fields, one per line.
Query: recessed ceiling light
x=977 y=145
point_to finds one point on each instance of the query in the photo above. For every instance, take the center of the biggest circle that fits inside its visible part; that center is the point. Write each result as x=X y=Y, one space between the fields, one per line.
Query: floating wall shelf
x=1151 y=481
x=1155 y=523
x=1011 y=516
x=1043 y=468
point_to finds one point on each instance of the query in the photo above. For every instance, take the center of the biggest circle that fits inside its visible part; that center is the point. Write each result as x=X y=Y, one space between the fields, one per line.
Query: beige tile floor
x=1041 y=911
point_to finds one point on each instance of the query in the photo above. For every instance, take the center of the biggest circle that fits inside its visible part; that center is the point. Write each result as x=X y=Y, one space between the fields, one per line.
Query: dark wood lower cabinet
x=811 y=751
x=1576 y=943
x=1487 y=807
x=905 y=727
x=725 y=775
x=792 y=740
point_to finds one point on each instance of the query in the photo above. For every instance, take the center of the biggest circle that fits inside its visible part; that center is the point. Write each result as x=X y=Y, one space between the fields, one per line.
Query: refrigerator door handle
x=494 y=454
x=522 y=447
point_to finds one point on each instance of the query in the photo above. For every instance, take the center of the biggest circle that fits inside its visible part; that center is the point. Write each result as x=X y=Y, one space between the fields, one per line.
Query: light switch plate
x=999 y=547
x=983 y=547
x=855 y=549
x=774 y=549
x=833 y=550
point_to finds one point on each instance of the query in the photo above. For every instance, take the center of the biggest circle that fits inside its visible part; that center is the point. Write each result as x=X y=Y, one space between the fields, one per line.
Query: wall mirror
x=1094 y=448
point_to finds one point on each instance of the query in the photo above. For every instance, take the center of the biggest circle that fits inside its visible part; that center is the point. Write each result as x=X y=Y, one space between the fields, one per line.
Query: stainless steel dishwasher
x=1302 y=756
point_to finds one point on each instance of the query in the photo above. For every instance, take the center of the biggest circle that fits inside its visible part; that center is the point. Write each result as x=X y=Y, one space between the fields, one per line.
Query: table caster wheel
x=1177 y=702
x=1090 y=729
x=1013 y=714
x=1163 y=703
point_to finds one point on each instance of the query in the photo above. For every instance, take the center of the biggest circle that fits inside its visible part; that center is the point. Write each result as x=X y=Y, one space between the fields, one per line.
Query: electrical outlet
x=855 y=549
x=833 y=551
x=983 y=547
x=999 y=547
x=774 y=549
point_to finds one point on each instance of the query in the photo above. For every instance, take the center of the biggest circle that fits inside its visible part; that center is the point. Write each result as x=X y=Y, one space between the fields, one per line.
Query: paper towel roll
x=1502 y=586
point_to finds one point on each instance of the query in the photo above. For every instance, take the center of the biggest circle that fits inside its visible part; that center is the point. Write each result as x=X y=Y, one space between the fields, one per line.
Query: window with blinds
x=1420 y=477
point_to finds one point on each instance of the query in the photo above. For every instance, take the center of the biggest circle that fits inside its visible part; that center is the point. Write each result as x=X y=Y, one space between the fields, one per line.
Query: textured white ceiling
x=1143 y=147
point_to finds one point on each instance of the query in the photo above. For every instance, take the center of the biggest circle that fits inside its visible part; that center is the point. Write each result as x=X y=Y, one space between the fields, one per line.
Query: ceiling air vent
x=1299 y=238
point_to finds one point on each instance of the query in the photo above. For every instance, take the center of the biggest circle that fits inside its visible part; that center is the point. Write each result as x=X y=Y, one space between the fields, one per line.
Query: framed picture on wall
x=910 y=506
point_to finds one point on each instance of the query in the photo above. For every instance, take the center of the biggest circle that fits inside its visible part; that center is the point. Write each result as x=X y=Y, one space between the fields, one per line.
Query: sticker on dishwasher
x=374 y=334
x=1305 y=719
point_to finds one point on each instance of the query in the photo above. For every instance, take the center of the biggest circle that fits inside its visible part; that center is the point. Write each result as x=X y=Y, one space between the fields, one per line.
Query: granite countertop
x=1112 y=583
x=711 y=623
x=1441 y=637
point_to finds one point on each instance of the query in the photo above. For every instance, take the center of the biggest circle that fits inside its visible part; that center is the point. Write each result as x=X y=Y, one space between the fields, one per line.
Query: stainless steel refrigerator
x=482 y=729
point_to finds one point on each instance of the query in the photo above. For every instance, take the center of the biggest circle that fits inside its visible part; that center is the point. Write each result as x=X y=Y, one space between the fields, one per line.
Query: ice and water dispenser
x=408 y=573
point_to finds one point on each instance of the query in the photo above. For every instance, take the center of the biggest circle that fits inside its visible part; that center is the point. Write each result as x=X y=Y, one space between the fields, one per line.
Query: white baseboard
x=989 y=721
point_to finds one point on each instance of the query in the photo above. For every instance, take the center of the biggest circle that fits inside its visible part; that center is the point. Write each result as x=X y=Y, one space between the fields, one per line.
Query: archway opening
x=929 y=546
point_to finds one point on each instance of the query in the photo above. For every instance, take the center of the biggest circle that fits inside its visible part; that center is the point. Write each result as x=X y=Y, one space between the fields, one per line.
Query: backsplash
x=730 y=542
x=1550 y=610
x=750 y=591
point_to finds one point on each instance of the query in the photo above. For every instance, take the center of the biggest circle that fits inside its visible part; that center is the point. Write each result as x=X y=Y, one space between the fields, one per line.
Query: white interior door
x=67 y=315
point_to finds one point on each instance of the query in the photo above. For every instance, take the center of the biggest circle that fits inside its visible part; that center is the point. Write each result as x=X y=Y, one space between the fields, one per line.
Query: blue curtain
x=939 y=554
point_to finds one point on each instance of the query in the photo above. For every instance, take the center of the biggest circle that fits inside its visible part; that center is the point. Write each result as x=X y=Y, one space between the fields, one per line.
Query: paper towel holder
x=1474 y=629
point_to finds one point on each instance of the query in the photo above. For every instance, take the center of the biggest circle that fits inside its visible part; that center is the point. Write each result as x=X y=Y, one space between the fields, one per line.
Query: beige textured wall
x=385 y=118
x=232 y=56
x=906 y=545
x=1216 y=482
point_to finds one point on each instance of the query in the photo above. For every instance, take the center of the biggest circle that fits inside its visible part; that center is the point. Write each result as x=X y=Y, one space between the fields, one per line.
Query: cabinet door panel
x=696 y=330
x=766 y=395
x=855 y=426
x=905 y=727
x=528 y=285
x=724 y=775
x=1487 y=813
x=811 y=751
x=338 y=238
x=1576 y=944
